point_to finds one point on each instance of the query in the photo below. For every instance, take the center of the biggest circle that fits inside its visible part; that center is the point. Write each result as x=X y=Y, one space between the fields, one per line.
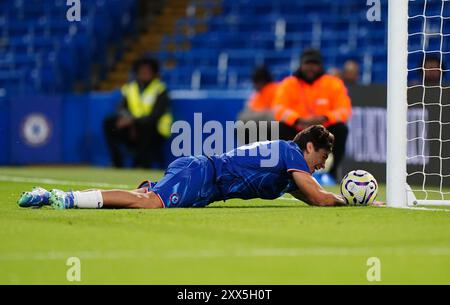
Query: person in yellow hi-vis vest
x=143 y=120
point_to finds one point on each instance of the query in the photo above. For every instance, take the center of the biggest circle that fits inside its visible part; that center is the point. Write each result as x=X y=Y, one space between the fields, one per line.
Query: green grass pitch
x=237 y=242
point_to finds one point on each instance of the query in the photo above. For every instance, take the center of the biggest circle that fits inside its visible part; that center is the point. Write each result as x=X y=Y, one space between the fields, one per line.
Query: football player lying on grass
x=197 y=181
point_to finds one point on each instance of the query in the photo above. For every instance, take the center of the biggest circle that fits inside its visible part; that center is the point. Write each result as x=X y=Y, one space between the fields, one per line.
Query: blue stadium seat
x=246 y=31
x=48 y=53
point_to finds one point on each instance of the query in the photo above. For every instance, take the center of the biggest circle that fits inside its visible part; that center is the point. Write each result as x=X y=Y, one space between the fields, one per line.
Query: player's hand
x=124 y=122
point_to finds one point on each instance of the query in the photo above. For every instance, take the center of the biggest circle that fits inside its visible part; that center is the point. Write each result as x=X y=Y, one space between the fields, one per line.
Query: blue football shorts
x=188 y=182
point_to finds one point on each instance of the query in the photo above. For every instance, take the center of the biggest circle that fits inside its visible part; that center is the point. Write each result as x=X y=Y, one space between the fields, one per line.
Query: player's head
x=146 y=69
x=316 y=142
x=260 y=77
x=311 y=65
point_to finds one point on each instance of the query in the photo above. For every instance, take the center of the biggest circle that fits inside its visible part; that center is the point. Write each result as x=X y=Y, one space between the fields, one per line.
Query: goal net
x=418 y=156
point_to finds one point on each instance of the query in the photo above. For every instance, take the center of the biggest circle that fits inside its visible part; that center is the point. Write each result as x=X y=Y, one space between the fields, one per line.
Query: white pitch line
x=60 y=182
x=257 y=252
x=427 y=209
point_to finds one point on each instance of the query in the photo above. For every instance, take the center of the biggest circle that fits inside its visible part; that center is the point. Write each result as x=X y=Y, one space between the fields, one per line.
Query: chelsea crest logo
x=174 y=199
x=36 y=129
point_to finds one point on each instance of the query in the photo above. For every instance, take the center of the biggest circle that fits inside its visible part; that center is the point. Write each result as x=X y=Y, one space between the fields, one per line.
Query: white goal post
x=432 y=178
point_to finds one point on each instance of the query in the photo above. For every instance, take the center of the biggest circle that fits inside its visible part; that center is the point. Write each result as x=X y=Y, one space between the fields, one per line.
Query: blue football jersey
x=259 y=170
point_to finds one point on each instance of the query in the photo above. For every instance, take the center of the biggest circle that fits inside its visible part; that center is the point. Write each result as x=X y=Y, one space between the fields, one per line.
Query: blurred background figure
x=258 y=107
x=265 y=88
x=432 y=70
x=350 y=73
x=431 y=73
x=311 y=97
x=143 y=120
x=335 y=72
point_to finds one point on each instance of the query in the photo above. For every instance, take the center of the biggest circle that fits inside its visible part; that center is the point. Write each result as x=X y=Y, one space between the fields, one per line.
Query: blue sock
x=69 y=202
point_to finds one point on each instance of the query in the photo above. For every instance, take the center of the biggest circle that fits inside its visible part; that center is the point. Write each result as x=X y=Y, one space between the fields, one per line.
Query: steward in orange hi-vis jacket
x=263 y=99
x=310 y=97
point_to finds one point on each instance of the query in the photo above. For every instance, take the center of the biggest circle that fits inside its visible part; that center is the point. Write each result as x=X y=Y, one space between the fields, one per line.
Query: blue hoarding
x=69 y=128
x=35 y=129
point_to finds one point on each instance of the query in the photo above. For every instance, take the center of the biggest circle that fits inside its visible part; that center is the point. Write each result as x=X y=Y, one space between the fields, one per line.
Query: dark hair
x=261 y=75
x=437 y=58
x=318 y=135
x=149 y=62
x=432 y=58
x=311 y=55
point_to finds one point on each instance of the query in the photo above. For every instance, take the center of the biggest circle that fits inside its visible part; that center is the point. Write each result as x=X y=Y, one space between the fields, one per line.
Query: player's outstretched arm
x=310 y=191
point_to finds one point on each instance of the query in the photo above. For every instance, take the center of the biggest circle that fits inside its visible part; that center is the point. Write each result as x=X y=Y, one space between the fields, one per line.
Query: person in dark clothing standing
x=143 y=120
